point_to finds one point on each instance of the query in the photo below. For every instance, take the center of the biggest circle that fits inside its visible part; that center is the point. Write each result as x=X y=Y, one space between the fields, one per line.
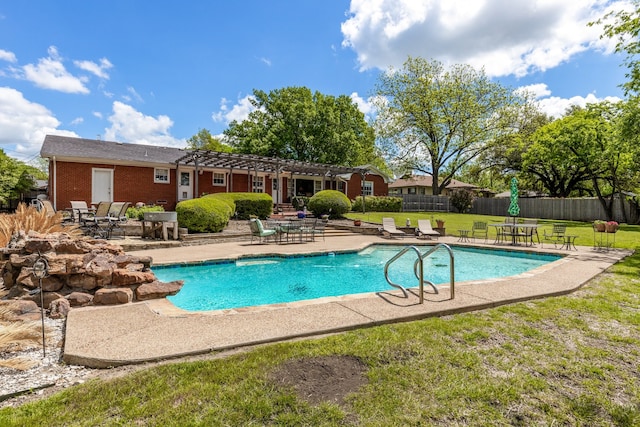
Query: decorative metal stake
x=40 y=271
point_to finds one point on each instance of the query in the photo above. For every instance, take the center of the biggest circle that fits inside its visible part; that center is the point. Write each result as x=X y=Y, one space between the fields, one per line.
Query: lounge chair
x=116 y=219
x=426 y=230
x=480 y=229
x=257 y=230
x=95 y=224
x=78 y=210
x=389 y=228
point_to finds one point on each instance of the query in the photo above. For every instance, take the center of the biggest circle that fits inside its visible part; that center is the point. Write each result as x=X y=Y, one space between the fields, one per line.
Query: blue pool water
x=271 y=280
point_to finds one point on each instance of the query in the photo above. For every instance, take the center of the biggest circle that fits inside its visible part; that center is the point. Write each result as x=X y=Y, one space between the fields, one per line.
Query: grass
x=628 y=236
x=569 y=360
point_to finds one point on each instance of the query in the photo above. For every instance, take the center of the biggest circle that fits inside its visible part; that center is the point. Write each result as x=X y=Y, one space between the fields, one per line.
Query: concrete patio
x=148 y=331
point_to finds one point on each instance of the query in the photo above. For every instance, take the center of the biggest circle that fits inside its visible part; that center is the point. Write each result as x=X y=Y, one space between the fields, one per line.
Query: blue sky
x=157 y=72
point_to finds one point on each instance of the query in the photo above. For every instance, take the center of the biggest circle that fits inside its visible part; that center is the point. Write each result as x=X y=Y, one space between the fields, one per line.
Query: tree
x=203 y=140
x=436 y=121
x=16 y=178
x=293 y=123
x=624 y=25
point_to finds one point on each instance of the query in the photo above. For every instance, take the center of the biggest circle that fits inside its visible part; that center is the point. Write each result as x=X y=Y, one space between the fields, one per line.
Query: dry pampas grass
x=27 y=218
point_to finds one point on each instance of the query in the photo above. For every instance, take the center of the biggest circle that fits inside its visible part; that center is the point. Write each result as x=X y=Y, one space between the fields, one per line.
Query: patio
x=135 y=333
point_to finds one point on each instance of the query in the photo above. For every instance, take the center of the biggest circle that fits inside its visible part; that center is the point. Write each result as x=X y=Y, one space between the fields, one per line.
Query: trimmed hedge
x=204 y=215
x=378 y=204
x=247 y=205
x=329 y=202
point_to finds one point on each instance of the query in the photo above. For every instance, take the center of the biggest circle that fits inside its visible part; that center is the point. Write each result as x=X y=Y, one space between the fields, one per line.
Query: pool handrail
x=418 y=269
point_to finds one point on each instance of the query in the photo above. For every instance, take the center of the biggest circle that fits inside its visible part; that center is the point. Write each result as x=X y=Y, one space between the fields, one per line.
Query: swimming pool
x=255 y=281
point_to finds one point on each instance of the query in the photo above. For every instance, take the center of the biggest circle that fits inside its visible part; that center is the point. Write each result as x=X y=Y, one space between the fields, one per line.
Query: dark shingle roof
x=64 y=147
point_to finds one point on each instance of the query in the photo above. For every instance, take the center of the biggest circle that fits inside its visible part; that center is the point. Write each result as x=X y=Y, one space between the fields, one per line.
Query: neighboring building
x=423 y=185
x=94 y=170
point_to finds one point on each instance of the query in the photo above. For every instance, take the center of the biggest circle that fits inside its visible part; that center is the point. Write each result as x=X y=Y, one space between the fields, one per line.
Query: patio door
x=101 y=185
x=185 y=191
x=275 y=191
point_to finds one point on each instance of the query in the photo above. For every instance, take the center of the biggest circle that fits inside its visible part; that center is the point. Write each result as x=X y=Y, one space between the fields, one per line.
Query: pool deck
x=102 y=337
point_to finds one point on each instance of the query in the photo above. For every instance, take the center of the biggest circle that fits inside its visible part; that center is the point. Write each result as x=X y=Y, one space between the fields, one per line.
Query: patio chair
x=257 y=230
x=389 y=228
x=556 y=235
x=426 y=230
x=294 y=229
x=46 y=206
x=531 y=231
x=115 y=220
x=95 y=224
x=480 y=229
x=78 y=209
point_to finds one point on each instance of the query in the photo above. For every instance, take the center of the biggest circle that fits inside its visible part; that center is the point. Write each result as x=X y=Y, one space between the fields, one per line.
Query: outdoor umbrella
x=514 y=209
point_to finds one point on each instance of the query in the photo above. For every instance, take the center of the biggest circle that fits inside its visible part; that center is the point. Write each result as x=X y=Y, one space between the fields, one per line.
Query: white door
x=275 y=191
x=185 y=191
x=101 y=186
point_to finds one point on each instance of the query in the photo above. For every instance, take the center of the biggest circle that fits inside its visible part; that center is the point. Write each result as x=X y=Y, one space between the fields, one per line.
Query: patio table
x=514 y=231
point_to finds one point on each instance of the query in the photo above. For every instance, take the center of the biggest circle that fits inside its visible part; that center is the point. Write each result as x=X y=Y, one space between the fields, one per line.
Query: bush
x=378 y=204
x=138 y=212
x=462 y=200
x=299 y=202
x=329 y=202
x=246 y=205
x=203 y=215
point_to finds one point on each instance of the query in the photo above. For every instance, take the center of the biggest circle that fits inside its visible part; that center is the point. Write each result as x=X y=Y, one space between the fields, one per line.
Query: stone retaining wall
x=82 y=271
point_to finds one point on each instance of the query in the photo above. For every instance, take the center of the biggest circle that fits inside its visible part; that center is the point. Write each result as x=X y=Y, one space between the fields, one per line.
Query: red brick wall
x=130 y=184
x=354 y=186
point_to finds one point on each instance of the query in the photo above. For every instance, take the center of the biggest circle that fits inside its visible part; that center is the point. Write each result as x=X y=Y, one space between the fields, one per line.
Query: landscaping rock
x=59 y=308
x=158 y=290
x=123 y=277
x=112 y=296
x=79 y=299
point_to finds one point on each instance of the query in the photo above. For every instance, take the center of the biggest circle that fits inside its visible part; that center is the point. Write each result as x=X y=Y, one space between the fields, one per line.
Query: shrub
x=138 y=212
x=246 y=205
x=378 y=204
x=203 y=215
x=329 y=202
x=299 y=202
x=462 y=200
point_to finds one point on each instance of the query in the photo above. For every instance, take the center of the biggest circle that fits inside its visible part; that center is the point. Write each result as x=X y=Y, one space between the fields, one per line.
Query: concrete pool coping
x=108 y=336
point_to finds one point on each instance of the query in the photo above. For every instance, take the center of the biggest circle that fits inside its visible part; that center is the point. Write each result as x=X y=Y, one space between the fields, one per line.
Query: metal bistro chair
x=115 y=220
x=556 y=235
x=94 y=224
x=480 y=229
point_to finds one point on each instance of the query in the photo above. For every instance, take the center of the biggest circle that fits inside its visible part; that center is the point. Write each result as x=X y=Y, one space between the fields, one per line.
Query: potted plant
x=599 y=225
x=357 y=222
x=440 y=223
x=611 y=227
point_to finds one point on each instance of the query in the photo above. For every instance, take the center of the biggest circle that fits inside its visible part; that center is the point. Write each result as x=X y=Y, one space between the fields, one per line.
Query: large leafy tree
x=203 y=140
x=294 y=123
x=16 y=178
x=436 y=120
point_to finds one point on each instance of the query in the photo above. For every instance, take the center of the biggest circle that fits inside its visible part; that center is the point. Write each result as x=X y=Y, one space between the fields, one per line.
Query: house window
x=367 y=188
x=317 y=186
x=161 y=175
x=411 y=190
x=218 y=178
x=258 y=184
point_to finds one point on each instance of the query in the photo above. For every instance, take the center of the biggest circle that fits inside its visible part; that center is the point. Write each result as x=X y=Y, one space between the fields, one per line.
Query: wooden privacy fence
x=582 y=209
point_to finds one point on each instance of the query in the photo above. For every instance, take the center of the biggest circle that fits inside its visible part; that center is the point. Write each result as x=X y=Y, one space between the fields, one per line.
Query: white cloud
x=130 y=125
x=50 y=73
x=365 y=105
x=237 y=112
x=99 y=70
x=97 y=114
x=5 y=55
x=555 y=106
x=77 y=121
x=505 y=37
x=24 y=124
x=266 y=61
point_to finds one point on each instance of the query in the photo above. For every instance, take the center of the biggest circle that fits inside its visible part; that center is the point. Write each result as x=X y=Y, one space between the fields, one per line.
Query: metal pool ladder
x=418 y=268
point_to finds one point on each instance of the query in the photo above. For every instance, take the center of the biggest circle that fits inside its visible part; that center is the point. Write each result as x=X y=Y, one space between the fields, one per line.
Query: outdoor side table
x=569 y=241
x=464 y=235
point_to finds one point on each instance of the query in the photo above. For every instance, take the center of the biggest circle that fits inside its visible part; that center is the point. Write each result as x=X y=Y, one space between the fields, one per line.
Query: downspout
x=177 y=183
x=196 y=178
x=55 y=184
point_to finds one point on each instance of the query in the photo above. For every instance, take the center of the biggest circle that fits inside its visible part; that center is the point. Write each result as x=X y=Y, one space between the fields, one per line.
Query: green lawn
x=570 y=360
x=628 y=236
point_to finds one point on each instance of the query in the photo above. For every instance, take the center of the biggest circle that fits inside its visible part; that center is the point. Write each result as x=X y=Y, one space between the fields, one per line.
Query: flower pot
x=611 y=228
x=357 y=223
x=600 y=228
x=440 y=224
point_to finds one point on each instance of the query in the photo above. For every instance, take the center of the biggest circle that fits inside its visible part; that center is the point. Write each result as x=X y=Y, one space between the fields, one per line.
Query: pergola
x=251 y=162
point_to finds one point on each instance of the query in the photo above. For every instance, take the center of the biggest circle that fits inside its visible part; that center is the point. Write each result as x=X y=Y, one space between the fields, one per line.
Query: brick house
x=423 y=185
x=96 y=170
